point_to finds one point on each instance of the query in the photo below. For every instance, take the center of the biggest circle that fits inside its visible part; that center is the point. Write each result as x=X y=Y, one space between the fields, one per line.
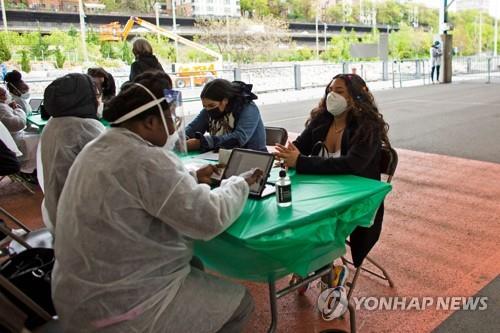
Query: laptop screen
x=35 y=103
x=243 y=160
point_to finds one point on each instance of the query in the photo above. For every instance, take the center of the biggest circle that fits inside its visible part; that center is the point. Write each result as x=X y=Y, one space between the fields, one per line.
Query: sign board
x=364 y=50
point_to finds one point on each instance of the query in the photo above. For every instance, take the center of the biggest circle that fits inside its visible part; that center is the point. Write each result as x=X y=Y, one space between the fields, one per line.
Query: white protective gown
x=126 y=219
x=62 y=140
x=27 y=142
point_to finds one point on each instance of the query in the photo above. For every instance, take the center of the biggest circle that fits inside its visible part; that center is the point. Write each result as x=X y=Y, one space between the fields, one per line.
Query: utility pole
x=157 y=7
x=174 y=23
x=495 y=40
x=317 y=35
x=82 y=30
x=4 y=16
x=480 y=43
x=447 y=40
x=326 y=27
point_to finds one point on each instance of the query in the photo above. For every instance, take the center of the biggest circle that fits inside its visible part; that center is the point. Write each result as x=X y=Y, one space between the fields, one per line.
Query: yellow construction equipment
x=112 y=32
x=188 y=75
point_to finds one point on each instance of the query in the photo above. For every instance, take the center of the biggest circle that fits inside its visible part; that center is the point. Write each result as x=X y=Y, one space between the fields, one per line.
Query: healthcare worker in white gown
x=127 y=217
x=73 y=103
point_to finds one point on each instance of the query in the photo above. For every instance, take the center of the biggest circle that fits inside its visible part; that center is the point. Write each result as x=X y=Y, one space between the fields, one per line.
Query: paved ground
x=442 y=221
x=461 y=119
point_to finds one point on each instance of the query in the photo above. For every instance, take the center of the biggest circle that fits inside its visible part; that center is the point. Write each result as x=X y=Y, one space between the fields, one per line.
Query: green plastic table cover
x=269 y=242
x=36 y=119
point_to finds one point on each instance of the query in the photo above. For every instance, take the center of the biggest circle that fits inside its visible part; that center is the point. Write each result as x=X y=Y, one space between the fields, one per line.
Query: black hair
x=132 y=96
x=14 y=80
x=108 y=85
x=237 y=92
x=364 y=111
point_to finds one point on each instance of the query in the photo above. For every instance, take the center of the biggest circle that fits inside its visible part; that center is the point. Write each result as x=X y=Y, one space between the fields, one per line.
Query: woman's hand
x=290 y=154
x=193 y=144
x=204 y=174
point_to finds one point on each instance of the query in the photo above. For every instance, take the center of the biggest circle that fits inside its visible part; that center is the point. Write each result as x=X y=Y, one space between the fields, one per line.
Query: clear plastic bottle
x=283 y=190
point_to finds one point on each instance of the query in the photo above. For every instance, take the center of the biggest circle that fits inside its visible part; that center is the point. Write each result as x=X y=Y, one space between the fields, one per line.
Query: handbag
x=30 y=271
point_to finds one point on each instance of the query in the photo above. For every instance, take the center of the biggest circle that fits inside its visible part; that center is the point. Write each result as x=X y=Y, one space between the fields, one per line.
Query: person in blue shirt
x=229 y=119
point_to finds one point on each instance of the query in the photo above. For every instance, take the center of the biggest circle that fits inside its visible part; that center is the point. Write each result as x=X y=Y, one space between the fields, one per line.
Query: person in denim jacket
x=229 y=119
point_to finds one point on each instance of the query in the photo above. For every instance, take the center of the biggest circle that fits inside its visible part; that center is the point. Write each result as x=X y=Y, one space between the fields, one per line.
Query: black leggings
x=437 y=67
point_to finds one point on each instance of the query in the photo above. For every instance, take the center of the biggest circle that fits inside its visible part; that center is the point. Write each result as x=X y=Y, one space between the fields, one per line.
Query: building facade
x=473 y=4
x=57 y=5
x=206 y=8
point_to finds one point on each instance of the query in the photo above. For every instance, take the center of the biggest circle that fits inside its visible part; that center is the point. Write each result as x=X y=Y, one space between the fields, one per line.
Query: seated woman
x=14 y=119
x=72 y=102
x=104 y=82
x=127 y=217
x=344 y=135
x=230 y=117
x=19 y=90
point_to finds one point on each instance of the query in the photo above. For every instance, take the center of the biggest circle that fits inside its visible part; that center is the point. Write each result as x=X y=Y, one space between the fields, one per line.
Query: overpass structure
x=302 y=32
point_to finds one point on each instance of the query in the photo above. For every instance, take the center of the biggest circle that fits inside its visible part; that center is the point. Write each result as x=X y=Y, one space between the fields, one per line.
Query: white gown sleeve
x=193 y=209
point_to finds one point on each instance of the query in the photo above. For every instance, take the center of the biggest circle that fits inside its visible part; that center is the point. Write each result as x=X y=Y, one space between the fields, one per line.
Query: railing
x=395 y=74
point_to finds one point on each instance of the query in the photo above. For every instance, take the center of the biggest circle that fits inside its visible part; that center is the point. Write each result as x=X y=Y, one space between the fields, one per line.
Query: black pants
x=437 y=67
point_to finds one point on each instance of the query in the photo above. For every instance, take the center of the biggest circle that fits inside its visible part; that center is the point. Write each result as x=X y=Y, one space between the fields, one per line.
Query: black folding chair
x=388 y=164
x=276 y=135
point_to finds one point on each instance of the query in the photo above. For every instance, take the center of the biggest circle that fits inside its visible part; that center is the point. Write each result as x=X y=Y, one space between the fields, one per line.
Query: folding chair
x=276 y=135
x=388 y=164
x=37 y=238
x=8 y=140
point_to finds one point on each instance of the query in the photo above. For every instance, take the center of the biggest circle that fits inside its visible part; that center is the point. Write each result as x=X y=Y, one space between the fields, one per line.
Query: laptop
x=35 y=104
x=242 y=160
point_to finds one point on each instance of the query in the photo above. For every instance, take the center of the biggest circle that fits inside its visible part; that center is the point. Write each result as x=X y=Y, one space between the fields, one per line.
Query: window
x=210 y=9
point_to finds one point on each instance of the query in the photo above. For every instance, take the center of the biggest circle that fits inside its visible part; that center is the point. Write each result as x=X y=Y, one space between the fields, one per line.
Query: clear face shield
x=174 y=100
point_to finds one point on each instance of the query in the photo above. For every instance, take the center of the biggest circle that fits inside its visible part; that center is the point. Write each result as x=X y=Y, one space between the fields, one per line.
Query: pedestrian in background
x=436 y=54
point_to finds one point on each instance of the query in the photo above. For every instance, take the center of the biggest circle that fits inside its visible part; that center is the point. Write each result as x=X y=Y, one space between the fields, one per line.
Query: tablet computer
x=242 y=160
x=35 y=104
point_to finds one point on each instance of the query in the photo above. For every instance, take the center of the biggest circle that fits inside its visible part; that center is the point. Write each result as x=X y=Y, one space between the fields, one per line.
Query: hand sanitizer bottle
x=283 y=190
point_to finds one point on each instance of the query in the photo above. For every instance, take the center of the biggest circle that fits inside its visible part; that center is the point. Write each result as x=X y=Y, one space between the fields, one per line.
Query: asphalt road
x=460 y=119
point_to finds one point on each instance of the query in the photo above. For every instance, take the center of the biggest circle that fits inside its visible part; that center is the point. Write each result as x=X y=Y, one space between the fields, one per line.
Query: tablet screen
x=242 y=161
x=35 y=103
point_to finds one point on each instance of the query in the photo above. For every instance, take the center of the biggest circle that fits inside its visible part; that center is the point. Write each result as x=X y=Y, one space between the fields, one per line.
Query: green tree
x=25 y=61
x=126 y=53
x=391 y=12
x=92 y=37
x=72 y=32
x=39 y=47
x=107 y=50
x=5 y=54
x=255 y=7
x=60 y=58
x=302 y=9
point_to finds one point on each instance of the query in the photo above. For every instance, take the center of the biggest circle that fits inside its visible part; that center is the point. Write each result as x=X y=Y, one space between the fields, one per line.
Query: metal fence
x=395 y=74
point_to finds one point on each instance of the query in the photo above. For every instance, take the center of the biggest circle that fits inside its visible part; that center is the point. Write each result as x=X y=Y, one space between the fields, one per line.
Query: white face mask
x=100 y=108
x=335 y=104
x=26 y=95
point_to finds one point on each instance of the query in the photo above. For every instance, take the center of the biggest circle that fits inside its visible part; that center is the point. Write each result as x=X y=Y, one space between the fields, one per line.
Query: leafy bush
x=39 y=46
x=126 y=53
x=107 y=51
x=60 y=58
x=25 y=62
x=5 y=54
